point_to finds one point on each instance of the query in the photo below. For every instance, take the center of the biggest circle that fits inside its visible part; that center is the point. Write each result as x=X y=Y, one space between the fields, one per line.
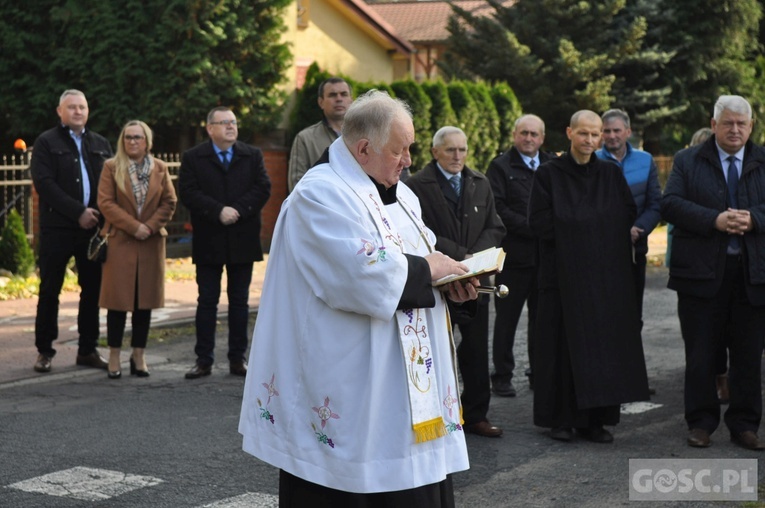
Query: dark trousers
x=238 y=277
x=703 y=324
x=115 y=327
x=522 y=286
x=473 y=360
x=57 y=246
x=295 y=492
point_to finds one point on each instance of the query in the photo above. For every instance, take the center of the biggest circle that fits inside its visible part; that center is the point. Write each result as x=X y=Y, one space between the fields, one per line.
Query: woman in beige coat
x=137 y=200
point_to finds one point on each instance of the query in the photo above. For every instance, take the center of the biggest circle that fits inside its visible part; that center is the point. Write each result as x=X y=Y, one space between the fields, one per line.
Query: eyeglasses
x=134 y=138
x=223 y=122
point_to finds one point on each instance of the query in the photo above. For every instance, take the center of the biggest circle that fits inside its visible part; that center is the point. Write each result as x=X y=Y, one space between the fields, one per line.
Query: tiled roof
x=426 y=21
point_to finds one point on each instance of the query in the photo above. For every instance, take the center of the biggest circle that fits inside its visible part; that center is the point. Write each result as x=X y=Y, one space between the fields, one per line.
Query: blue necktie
x=224 y=158
x=734 y=244
x=455 y=181
x=532 y=163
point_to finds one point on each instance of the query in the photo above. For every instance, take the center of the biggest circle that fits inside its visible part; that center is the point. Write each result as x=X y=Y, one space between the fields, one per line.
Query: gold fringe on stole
x=429 y=430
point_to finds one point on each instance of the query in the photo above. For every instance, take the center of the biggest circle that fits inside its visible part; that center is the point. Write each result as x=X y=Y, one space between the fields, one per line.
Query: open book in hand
x=486 y=262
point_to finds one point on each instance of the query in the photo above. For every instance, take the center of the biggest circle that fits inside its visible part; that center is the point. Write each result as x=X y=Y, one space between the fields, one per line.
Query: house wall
x=337 y=44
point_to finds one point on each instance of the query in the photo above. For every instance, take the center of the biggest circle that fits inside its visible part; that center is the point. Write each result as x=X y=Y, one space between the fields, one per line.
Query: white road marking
x=633 y=408
x=86 y=484
x=248 y=500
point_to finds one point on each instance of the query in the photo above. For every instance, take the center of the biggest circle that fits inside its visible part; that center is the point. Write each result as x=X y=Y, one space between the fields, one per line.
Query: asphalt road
x=170 y=442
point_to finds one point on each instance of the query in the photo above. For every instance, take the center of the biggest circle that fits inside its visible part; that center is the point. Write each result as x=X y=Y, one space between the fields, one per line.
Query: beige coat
x=130 y=261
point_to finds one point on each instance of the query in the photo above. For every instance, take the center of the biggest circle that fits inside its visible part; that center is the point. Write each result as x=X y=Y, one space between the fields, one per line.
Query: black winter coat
x=205 y=187
x=57 y=175
x=695 y=194
x=478 y=226
x=511 y=180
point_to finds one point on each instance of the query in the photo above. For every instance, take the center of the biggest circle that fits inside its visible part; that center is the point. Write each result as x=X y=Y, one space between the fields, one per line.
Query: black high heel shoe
x=114 y=375
x=135 y=372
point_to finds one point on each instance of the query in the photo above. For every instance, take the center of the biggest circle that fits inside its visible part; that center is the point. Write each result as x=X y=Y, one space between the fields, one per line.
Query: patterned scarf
x=139 y=178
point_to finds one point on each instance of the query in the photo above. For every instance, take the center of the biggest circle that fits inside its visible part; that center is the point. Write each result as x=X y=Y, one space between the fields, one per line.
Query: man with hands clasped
x=224 y=184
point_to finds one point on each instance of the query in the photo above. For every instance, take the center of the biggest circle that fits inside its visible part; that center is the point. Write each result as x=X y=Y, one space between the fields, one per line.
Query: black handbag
x=97 y=246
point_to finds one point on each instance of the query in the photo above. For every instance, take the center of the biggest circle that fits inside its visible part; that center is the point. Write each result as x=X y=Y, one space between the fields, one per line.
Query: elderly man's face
x=452 y=152
x=528 y=136
x=732 y=130
x=385 y=167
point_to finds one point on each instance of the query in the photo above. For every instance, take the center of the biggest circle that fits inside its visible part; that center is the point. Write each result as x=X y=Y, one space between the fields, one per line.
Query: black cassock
x=588 y=353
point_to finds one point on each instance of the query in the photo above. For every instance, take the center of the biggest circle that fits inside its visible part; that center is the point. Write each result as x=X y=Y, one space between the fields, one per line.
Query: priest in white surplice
x=352 y=390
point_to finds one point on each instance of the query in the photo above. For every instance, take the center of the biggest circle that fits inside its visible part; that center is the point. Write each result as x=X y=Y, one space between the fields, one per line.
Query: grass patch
x=26 y=287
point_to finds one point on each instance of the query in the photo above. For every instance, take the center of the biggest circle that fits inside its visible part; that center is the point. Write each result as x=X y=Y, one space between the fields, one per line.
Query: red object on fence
x=20 y=145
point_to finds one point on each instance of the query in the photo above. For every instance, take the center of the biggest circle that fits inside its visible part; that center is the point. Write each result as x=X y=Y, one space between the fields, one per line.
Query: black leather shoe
x=503 y=388
x=238 y=368
x=135 y=371
x=748 y=440
x=94 y=360
x=699 y=438
x=562 y=434
x=198 y=371
x=114 y=375
x=42 y=364
x=484 y=429
x=596 y=435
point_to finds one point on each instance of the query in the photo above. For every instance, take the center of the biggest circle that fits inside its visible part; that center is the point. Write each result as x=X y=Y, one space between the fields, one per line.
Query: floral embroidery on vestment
x=272 y=392
x=369 y=248
x=420 y=360
x=325 y=413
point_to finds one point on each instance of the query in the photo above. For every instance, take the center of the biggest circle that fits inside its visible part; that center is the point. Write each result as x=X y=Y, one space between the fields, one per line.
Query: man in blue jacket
x=640 y=171
x=715 y=197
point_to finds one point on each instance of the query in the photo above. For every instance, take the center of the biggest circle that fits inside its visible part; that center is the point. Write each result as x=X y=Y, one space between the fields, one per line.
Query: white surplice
x=326 y=395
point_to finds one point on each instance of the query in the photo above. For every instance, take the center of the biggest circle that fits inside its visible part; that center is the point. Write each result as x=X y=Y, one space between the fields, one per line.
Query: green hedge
x=486 y=113
x=16 y=254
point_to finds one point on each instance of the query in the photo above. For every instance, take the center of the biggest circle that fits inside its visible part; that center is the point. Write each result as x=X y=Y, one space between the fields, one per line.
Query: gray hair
x=69 y=92
x=734 y=104
x=211 y=114
x=438 y=137
x=526 y=117
x=617 y=113
x=371 y=116
x=700 y=136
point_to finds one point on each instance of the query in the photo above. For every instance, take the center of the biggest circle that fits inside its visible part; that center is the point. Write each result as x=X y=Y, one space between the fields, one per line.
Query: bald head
x=584 y=133
x=584 y=115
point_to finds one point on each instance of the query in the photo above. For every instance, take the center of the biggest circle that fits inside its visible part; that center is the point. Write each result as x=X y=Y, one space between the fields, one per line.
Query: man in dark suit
x=457 y=204
x=715 y=198
x=511 y=175
x=65 y=169
x=224 y=184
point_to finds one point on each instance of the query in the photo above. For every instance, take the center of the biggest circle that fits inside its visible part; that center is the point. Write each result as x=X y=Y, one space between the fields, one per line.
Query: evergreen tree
x=16 y=255
x=468 y=117
x=487 y=128
x=441 y=112
x=167 y=62
x=508 y=109
x=558 y=56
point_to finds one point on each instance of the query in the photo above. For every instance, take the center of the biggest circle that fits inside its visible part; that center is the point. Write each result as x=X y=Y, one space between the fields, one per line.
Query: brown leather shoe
x=748 y=440
x=94 y=360
x=699 y=438
x=198 y=371
x=42 y=364
x=722 y=388
x=484 y=429
x=238 y=368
